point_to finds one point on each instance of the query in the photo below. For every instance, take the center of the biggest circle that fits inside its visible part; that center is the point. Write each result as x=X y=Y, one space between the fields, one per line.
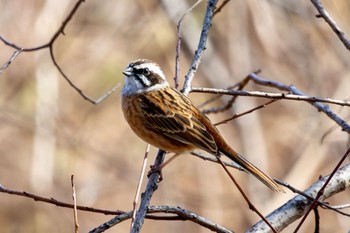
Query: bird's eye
x=145 y=71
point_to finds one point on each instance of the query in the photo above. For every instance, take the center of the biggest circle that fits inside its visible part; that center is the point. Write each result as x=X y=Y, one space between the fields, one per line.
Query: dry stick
x=76 y=224
x=324 y=14
x=144 y=163
x=250 y=204
x=50 y=44
x=178 y=44
x=320 y=192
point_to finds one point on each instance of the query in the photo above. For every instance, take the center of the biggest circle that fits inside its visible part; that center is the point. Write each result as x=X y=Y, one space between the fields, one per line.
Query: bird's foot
x=156 y=169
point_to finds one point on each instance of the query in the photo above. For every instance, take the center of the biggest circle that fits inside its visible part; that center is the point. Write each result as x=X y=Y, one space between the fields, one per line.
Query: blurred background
x=49 y=132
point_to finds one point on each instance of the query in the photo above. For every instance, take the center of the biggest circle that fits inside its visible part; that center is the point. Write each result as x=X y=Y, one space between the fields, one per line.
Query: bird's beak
x=128 y=71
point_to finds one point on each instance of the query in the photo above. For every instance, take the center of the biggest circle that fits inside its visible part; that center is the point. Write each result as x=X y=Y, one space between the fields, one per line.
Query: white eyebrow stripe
x=153 y=68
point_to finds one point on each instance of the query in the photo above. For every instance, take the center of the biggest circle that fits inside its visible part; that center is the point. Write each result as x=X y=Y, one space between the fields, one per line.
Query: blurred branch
x=296 y=207
x=49 y=45
x=324 y=14
x=201 y=46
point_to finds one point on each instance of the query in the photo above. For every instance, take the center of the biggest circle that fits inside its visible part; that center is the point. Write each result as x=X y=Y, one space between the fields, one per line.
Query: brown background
x=48 y=132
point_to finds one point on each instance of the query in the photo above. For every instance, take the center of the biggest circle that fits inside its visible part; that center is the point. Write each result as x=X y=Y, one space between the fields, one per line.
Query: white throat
x=132 y=87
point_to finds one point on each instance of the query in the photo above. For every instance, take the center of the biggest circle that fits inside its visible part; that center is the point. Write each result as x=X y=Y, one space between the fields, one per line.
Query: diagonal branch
x=201 y=46
x=324 y=14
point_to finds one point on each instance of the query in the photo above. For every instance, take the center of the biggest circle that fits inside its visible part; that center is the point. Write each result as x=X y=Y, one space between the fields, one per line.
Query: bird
x=167 y=119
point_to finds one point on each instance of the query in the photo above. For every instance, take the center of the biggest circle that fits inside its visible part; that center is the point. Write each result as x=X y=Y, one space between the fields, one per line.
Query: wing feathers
x=177 y=123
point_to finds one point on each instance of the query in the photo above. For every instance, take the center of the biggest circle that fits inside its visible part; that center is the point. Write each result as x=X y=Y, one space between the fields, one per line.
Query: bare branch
x=201 y=46
x=324 y=14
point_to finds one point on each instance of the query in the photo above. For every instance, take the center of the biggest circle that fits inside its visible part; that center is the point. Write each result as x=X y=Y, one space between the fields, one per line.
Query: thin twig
x=321 y=191
x=244 y=113
x=76 y=224
x=178 y=44
x=144 y=163
x=244 y=195
x=324 y=14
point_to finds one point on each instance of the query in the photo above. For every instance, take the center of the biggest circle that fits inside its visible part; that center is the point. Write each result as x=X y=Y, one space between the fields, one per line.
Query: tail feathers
x=265 y=179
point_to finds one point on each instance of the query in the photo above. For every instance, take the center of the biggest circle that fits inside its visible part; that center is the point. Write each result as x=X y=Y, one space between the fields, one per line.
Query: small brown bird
x=167 y=119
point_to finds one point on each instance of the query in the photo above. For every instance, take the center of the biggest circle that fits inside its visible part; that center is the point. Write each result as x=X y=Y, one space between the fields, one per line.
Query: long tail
x=251 y=168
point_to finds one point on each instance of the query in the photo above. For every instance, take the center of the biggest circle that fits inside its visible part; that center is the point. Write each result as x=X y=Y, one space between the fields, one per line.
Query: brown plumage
x=167 y=119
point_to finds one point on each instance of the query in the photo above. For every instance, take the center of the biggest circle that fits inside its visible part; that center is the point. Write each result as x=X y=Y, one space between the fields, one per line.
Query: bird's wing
x=171 y=113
